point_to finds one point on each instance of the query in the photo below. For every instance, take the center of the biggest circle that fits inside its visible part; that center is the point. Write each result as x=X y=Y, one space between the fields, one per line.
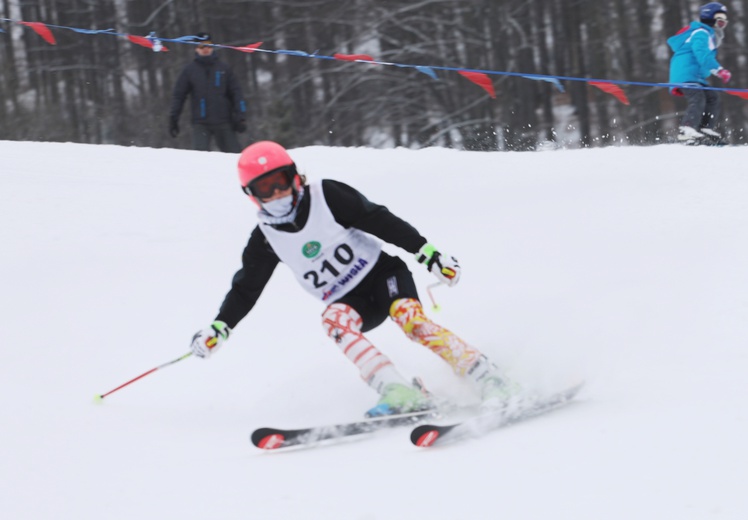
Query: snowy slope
x=622 y=266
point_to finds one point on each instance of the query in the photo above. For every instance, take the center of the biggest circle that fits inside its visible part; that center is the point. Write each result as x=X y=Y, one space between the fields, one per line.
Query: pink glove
x=724 y=75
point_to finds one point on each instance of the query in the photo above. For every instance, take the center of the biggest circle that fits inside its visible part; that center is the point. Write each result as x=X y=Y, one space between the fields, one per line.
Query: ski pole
x=102 y=396
x=435 y=306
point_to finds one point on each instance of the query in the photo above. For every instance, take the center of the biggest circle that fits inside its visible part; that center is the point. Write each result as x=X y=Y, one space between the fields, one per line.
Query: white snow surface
x=623 y=267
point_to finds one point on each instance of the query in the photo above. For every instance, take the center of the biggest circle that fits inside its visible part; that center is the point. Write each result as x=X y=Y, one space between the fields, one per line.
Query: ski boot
x=497 y=392
x=500 y=394
x=397 y=398
x=689 y=136
x=712 y=138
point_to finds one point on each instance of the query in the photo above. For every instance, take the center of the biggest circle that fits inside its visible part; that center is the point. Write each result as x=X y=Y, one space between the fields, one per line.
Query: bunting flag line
x=477 y=76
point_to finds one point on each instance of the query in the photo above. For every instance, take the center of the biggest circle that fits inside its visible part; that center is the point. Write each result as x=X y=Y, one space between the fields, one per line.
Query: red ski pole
x=102 y=396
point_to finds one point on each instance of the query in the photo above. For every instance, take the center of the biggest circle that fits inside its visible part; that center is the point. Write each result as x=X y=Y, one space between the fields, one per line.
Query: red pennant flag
x=353 y=57
x=42 y=30
x=743 y=95
x=145 y=42
x=248 y=48
x=612 y=89
x=480 y=79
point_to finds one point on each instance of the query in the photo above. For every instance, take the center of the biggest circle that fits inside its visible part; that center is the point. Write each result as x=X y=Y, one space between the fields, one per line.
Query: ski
x=427 y=435
x=277 y=438
x=706 y=141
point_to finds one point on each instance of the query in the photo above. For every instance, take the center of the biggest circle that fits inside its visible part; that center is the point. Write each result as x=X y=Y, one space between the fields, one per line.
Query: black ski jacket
x=216 y=95
x=349 y=208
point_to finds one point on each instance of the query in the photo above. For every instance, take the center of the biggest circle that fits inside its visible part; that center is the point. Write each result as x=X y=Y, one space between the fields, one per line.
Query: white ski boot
x=688 y=135
x=496 y=390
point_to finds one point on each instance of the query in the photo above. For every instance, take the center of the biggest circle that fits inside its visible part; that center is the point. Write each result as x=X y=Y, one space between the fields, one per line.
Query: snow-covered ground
x=625 y=267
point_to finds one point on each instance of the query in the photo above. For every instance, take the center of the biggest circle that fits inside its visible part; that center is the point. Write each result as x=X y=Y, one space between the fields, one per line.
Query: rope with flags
x=479 y=77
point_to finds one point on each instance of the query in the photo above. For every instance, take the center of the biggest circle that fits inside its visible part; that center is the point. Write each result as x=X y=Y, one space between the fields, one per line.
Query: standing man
x=218 y=106
x=695 y=60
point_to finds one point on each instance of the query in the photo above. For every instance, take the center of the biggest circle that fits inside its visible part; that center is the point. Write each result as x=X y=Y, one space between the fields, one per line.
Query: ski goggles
x=264 y=187
x=720 y=20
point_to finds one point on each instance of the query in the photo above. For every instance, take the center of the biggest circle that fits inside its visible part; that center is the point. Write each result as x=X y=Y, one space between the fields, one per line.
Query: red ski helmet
x=264 y=158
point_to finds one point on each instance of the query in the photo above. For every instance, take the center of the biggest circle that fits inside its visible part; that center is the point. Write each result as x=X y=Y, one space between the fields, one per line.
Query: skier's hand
x=723 y=74
x=444 y=267
x=208 y=340
x=173 y=127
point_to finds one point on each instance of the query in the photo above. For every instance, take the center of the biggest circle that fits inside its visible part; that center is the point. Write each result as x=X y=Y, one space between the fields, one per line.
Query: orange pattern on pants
x=408 y=313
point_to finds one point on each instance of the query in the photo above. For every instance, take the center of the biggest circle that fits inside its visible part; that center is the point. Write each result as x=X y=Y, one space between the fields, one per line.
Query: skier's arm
x=238 y=105
x=181 y=89
x=708 y=64
x=351 y=209
x=258 y=263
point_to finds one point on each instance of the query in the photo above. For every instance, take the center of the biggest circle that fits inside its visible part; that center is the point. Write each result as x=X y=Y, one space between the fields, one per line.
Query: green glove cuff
x=423 y=256
x=221 y=329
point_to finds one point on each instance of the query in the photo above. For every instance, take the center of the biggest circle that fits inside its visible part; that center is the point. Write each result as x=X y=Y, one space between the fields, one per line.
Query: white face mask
x=279 y=207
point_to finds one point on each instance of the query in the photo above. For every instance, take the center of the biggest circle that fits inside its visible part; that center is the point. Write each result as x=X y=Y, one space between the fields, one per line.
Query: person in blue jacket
x=695 y=60
x=218 y=107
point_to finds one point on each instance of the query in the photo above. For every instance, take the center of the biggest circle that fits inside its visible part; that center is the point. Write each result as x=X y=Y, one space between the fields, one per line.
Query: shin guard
x=343 y=324
x=408 y=313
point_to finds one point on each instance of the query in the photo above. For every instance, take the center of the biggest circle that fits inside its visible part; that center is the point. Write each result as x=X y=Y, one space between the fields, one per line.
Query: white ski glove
x=208 y=340
x=445 y=268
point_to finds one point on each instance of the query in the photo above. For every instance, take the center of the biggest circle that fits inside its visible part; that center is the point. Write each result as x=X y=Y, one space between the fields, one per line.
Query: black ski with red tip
x=428 y=435
x=276 y=438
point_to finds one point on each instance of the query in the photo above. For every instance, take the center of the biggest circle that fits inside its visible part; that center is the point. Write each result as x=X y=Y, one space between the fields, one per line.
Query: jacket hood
x=677 y=41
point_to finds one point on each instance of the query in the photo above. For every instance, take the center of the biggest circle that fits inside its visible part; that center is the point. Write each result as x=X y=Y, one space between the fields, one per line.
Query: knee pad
x=408 y=314
x=339 y=319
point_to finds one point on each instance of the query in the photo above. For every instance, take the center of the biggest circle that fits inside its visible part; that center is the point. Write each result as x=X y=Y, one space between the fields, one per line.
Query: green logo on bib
x=311 y=249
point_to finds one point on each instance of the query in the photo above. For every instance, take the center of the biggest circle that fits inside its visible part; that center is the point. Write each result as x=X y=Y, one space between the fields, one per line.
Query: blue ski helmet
x=707 y=12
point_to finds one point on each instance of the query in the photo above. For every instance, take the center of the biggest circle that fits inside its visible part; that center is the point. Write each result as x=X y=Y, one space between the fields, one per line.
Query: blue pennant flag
x=549 y=79
x=428 y=71
x=93 y=31
x=294 y=53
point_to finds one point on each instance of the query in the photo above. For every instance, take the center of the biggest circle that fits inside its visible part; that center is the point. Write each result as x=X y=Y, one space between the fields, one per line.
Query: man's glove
x=173 y=127
x=444 y=267
x=723 y=74
x=208 y=340
x=240 y=126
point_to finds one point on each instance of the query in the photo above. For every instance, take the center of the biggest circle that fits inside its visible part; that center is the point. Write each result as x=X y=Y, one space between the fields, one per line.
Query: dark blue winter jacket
x=216 y=95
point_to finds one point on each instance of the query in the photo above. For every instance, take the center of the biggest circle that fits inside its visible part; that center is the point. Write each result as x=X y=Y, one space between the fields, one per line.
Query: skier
x=695 y=59
x=323 y=232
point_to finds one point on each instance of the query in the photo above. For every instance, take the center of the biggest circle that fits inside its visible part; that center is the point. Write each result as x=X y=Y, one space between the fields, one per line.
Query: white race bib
x=327 y=259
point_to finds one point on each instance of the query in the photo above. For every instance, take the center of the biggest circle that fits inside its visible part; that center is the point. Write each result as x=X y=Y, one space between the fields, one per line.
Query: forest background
x=103 y=89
